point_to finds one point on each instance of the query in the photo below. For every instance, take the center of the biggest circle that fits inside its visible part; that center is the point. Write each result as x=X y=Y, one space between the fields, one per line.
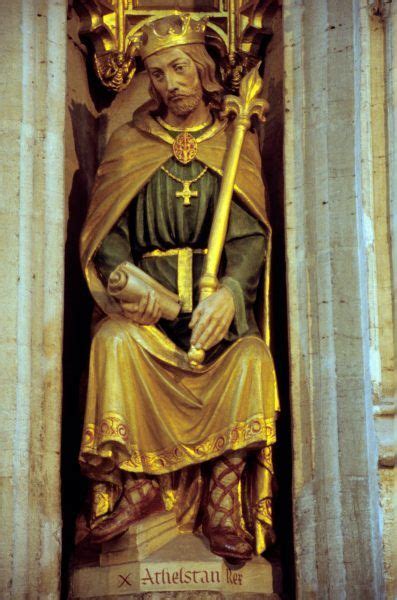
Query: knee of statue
x=110 y=331
x=253 y=349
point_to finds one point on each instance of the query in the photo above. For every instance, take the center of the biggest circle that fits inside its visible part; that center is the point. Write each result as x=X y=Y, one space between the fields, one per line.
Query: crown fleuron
x=174 y=30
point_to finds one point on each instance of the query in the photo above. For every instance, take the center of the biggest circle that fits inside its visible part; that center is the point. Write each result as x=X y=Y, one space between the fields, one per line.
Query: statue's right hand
x=145 y=312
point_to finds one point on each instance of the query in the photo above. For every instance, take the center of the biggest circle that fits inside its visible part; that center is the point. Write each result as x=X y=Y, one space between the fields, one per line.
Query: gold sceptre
x=244 y=106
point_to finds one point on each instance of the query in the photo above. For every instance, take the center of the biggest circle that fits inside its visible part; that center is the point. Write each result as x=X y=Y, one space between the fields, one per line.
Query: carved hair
x=213 y=91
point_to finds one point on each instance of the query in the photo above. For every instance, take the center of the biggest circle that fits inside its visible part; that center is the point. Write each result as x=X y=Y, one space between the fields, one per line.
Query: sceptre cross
x=186 y=193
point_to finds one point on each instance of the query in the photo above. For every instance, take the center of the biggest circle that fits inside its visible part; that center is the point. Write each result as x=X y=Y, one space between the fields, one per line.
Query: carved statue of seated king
x=163 y=432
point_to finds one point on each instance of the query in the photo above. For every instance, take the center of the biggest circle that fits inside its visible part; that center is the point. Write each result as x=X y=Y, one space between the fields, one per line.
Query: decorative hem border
x=114 y=430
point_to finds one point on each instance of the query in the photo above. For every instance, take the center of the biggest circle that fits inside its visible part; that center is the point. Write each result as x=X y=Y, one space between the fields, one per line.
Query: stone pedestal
x=141 y=540
x=184 y=564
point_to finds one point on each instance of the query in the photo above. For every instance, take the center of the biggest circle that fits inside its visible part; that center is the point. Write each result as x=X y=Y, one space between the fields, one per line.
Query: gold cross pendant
x=186 y=193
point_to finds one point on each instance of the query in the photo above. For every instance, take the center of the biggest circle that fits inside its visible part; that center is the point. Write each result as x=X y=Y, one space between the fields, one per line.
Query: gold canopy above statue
x=236 y=30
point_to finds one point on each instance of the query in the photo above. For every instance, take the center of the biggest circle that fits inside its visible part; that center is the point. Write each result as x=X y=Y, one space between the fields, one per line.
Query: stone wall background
x=340 y=92
x=32 y=218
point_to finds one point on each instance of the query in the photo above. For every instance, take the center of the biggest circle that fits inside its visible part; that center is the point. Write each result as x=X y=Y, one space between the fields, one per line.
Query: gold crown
x=174 y=30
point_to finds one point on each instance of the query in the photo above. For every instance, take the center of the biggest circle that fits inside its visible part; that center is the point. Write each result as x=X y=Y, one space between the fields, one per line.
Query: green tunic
x=158 y=219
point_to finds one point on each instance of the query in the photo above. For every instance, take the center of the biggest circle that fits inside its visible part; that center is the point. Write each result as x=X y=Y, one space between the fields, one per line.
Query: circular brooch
x=185 y=147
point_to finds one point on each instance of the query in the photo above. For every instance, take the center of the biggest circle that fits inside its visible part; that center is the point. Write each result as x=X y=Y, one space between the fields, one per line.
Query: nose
x=172 y=83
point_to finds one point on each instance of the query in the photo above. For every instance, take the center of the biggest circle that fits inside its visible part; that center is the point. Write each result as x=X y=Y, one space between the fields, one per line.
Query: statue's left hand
x=145 y=312
x=211 y=319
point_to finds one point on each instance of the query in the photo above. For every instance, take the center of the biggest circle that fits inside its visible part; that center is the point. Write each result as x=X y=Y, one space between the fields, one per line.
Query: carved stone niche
x=153 y=557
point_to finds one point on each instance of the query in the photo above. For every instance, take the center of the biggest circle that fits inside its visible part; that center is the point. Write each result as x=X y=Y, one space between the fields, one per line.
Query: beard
x=184 y=105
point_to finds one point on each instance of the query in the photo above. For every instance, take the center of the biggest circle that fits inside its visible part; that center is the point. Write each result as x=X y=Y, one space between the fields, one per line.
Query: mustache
x=178 y=96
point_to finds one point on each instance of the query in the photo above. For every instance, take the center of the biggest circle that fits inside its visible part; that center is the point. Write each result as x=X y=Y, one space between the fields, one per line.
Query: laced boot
x=141 y=497
x=223 y=519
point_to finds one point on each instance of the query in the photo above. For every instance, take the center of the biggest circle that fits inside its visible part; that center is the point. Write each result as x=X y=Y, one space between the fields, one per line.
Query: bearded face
x=174 y=77
x=184 y=104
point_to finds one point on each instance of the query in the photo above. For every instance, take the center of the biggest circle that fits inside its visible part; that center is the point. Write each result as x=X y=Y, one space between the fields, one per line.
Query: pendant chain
x=183 y=181
x=186 y=193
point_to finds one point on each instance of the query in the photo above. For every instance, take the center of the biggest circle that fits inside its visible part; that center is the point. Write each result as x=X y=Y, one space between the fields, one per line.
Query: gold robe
x=147 y=409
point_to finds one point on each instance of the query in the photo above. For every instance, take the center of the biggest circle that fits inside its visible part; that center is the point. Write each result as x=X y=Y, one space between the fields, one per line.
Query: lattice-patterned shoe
x=141 y=497
x=223 y=521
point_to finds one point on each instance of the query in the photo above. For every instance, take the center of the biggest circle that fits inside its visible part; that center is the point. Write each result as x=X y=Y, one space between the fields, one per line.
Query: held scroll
x=129 y=284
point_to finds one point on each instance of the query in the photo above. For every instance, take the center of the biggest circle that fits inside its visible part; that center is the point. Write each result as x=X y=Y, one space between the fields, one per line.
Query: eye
x=157 y=75
x=179 y=68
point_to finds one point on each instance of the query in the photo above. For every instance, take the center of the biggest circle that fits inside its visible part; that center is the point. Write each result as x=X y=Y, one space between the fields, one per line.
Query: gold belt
x=185 y=271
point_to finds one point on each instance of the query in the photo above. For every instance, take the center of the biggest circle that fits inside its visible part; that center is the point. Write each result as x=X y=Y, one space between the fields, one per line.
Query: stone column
x=334 y=291
x=32 y=216
x=385 y=409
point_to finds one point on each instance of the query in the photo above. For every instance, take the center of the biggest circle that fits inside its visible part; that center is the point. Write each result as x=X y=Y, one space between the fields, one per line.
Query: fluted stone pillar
x=32 y=217
x=339 y=274
x=385 y=411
